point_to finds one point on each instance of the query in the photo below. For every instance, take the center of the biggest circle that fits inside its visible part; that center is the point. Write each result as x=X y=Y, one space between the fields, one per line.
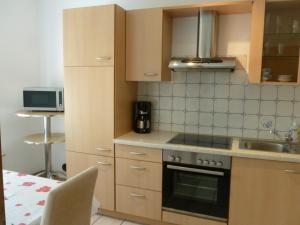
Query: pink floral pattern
x=25 y=197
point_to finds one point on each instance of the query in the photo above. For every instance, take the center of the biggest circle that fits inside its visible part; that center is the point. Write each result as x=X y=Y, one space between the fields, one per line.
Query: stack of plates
x=285 y=78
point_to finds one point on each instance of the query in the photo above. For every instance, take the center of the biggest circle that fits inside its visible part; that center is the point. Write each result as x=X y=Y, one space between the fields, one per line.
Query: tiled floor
x=104 y=220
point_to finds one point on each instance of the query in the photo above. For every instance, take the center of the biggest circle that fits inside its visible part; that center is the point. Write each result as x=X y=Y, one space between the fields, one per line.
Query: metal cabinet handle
x=137 y=168
x=137 y=195
x=103 y=58
x=104 y=163
x=194 y=170
x=103 y=149
x=150 y=74
x=292 y=171
x=137 y=153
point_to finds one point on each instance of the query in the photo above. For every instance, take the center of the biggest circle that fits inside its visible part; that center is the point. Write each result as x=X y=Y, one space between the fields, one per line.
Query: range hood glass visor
x=206 y=48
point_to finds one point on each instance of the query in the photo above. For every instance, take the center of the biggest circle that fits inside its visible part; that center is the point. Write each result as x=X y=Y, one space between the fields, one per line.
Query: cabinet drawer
x=139 y=174
x=104 y=190
x=176 y=218
x=138 y=202
x=139 y=153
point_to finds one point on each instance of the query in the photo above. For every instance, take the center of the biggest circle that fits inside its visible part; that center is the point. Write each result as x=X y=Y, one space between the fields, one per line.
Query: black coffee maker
x=142 y=117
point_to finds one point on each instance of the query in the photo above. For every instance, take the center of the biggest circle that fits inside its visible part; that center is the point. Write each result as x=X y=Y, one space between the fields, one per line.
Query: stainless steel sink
x=269 y=146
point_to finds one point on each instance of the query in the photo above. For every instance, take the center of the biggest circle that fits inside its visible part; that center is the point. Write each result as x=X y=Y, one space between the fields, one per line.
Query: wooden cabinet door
x=104 y=190
x=138 y=202
x=89 y=109
x=89 y=36
x=264 y=192
x=144 y=44
x=256 y=44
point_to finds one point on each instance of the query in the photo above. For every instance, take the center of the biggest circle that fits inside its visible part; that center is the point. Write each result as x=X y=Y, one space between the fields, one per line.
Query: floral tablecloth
x=25 y=197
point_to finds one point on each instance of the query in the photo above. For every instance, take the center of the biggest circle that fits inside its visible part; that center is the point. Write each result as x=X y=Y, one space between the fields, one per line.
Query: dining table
x=25 y=197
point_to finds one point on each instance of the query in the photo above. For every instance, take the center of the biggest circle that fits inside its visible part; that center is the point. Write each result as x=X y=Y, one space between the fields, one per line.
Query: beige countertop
x=159 y=139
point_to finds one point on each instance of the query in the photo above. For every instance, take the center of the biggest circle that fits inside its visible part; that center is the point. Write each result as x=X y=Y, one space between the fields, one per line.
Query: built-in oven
x=196 y=184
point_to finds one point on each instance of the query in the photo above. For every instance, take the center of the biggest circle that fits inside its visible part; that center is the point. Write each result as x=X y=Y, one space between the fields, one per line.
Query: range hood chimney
x=205 y=59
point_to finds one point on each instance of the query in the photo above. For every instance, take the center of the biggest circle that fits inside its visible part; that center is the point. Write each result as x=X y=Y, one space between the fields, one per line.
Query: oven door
x=40 y=100
x=196 y=190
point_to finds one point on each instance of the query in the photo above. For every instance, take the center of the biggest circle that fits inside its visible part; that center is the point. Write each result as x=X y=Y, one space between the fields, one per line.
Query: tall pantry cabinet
x=98 y=100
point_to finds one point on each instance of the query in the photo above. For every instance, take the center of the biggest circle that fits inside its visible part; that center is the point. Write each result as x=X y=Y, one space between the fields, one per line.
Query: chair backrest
x=71 y=202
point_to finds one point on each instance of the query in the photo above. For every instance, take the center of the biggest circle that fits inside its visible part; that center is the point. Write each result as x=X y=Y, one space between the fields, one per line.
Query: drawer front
x=138 y=202
x=180 y=219
x=104 y=190
x=139 y=153
x=139 y=174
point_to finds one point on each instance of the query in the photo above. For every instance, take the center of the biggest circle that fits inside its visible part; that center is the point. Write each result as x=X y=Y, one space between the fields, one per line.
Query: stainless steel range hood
x=205 y=59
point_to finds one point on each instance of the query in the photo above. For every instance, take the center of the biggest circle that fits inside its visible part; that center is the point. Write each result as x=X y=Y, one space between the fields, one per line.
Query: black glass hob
x=219 y=142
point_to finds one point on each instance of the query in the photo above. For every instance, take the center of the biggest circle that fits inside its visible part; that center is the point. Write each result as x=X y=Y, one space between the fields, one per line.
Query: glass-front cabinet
x=275 y=42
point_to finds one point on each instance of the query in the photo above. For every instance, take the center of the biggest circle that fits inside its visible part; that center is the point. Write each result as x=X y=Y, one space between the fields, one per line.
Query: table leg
x=47 y=147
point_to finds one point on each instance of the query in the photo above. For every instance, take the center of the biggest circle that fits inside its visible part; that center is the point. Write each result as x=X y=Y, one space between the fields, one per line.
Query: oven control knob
x=177 y=159
x=205 y=162
x=212 y=163
x=200 y=161
x=220 y=163
x=171 y=158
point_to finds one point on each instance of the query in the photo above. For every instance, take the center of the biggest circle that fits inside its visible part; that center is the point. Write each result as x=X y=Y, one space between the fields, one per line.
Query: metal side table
x=46 y=138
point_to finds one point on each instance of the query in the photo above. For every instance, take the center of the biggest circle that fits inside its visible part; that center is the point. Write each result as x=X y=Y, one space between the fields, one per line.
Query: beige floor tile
x=95 y=218
x=104 y=220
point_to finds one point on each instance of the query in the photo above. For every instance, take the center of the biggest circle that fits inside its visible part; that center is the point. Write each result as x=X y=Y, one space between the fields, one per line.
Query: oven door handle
x=186 y=169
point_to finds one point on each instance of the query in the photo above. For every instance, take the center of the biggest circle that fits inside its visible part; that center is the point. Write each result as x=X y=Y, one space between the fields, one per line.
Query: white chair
x=71 y=202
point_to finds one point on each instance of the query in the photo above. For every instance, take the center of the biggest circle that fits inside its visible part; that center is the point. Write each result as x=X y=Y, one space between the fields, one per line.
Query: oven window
x=41 y=99
x=196 y=192
x=195 y=187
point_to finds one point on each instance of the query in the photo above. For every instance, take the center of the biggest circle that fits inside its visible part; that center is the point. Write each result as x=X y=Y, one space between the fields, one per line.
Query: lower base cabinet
x=264 y=192
x=180 y=219
x=104 y=190
x=138 y=202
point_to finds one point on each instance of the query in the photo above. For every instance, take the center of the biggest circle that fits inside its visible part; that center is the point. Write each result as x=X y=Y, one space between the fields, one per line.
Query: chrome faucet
x=289 y=137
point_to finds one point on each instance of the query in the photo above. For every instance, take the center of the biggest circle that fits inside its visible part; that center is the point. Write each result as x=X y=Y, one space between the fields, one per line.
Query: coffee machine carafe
x=142 y=117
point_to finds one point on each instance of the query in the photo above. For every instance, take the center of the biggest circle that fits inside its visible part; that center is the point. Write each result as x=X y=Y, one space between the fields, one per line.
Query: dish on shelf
x=285 y=78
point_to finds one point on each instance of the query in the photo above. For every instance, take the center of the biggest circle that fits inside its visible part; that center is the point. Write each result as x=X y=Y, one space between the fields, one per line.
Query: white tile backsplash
x=220 y=103
x=192 y=90
x=192 y=104
x=251 y=107
x=237 y=91
x=179 y=90
x=286 y=93
x=269 y=92
x=193 y=78
x=178 y=103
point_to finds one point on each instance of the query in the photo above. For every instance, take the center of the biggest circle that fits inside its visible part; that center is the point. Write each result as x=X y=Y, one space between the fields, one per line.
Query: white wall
x=19 y=67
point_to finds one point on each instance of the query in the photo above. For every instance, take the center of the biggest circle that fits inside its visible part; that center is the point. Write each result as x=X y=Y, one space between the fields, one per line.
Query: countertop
x=159 y=139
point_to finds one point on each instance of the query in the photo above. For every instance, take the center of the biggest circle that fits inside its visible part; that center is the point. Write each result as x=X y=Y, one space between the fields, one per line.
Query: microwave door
x=40 y=100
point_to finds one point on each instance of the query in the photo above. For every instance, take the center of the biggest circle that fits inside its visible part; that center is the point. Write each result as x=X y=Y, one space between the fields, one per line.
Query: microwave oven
x=43 y=99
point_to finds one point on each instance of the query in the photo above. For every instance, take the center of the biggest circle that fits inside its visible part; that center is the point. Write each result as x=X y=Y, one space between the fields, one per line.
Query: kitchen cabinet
x=139 y=153
x=139 y=181
x=105 y=187
x=138 y=202
x=148 y=45
x=180 y=219
x=264 y=192
x=275 y=42
x=89 y=36
x=89 y=102
x=98 y=100
x=139 y=174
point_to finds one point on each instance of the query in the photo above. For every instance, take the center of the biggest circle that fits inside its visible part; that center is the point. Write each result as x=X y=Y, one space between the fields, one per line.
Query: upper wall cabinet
x=148 y=45
x=275 y=41
x=89 y=36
